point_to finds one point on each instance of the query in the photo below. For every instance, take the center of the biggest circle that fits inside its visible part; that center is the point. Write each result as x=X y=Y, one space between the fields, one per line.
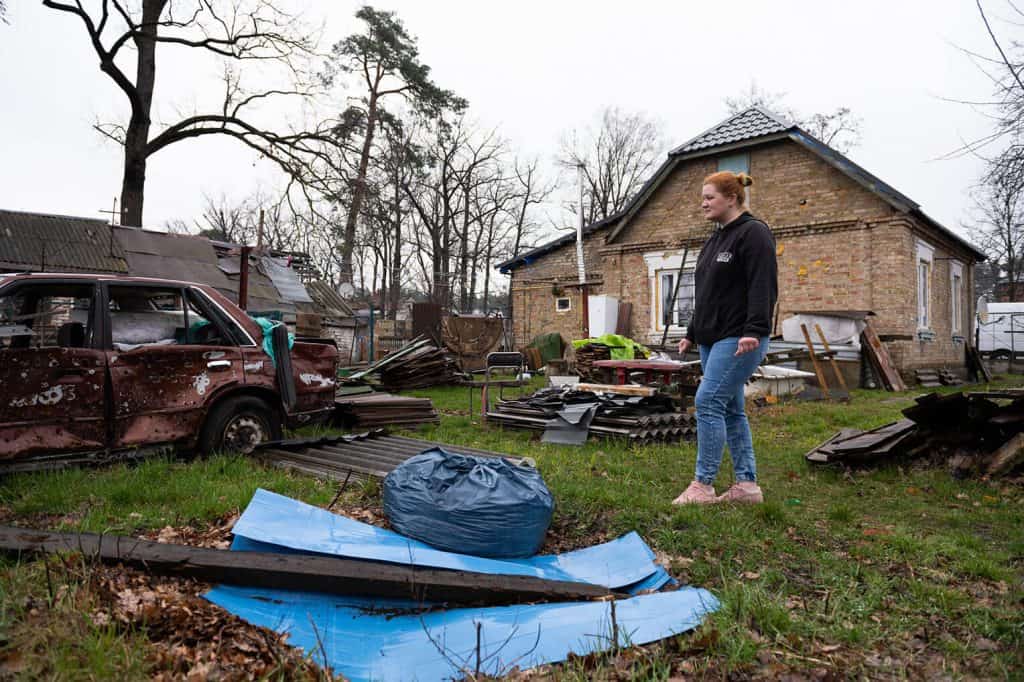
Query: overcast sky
x=534 y=69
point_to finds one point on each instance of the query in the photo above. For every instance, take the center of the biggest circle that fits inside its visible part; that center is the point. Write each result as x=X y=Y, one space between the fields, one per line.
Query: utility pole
x=580 y=265
x=113 y=212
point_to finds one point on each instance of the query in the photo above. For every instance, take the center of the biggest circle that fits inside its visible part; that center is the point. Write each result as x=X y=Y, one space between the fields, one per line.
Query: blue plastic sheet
x=273 y=521
x=441 y=645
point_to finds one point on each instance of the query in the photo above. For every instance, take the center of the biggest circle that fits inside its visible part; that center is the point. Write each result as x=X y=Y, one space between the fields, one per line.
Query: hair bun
x=744 y=179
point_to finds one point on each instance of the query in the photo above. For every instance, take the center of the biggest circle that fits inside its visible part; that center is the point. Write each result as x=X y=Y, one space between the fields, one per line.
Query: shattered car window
x=144 y=316
x=47 y=316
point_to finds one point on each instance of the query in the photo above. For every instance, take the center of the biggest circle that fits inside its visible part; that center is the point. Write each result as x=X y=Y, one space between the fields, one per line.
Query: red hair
x=731 y=184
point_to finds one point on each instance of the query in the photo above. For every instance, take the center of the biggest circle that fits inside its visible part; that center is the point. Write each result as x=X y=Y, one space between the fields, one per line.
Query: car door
x=167 y=361
x=52 y=369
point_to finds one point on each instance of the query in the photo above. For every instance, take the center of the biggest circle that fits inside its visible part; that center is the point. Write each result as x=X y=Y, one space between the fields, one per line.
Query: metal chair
x=506 y=360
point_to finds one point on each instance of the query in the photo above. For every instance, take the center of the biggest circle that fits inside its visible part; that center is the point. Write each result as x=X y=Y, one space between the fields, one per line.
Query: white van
x=1003 y=331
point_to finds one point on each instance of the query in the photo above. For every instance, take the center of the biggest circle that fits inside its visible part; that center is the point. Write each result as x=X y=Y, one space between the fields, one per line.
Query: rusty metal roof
x=39 y=242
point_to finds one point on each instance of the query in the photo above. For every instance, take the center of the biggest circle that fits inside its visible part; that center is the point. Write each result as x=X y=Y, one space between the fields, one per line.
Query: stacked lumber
x=586 y=356
x=417 y=365
x=929 y=378
x=638 y=418
x=978 y=433
x=373 y=409
x=933 y=378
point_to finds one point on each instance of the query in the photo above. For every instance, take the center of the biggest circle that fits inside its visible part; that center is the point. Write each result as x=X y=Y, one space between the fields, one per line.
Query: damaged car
x=94 y=367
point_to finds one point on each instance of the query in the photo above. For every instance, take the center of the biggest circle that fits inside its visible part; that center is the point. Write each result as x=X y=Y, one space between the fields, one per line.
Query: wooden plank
x=333 y=575
x=874 y=438
x=815 y=454
x=1008 y=456
x=814 y=360
x=880 y=358
x=622 y=389
x=835 y=366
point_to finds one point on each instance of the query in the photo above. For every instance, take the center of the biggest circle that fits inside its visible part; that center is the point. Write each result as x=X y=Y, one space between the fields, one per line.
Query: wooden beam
x=1007 y=457
x=814 y=361
x=333 y=575
x=622 y=389
x=832 y=359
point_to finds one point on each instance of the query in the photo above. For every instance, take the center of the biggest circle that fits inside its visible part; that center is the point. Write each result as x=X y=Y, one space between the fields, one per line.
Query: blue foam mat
x=273 y=521
x=438 y=645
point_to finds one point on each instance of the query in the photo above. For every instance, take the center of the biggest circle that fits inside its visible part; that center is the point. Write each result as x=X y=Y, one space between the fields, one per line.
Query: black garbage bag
x=485 y=506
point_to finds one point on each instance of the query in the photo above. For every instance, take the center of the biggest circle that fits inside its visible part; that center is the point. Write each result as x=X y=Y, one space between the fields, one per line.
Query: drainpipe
x=243 y=278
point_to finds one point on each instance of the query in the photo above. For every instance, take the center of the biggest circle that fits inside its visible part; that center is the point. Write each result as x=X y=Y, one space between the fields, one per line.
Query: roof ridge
x=55 y=215
x=722 y=125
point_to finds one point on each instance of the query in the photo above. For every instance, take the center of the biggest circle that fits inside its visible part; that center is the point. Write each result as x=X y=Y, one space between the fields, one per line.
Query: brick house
x=846 y=241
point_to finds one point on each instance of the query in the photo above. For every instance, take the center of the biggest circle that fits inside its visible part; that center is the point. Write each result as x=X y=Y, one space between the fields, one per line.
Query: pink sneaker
x=697 y=493
x=744 y=492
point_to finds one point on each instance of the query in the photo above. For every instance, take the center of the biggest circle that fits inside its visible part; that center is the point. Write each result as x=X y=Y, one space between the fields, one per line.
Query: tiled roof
x=746 y=125
x=55 y=243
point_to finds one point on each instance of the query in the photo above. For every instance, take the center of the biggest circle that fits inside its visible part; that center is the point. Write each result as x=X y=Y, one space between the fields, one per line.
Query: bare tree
x=617 y=157
x=999 y=228
x=236 y=31
x=839 y=129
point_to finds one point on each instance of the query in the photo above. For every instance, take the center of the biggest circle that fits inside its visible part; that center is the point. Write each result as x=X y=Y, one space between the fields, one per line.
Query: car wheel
x=238 y=425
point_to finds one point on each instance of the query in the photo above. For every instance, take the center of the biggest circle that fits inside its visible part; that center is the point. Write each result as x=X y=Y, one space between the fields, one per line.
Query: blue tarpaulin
x=276 y=520
x=367 y=638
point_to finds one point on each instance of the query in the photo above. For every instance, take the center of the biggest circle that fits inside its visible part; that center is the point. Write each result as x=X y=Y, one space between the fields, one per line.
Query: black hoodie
x=736 y=283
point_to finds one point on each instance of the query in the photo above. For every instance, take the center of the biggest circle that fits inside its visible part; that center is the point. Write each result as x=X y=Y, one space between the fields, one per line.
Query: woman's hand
x=746 y=344
x=684 y=345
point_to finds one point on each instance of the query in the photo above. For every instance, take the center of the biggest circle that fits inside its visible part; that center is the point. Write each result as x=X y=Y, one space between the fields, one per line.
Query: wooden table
x=618 y=371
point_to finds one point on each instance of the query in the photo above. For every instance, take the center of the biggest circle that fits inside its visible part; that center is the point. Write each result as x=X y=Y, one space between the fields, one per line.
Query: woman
x=736 y=289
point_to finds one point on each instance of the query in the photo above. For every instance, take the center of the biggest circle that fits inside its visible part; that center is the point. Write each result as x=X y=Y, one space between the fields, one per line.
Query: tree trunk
x=396 y=259
x=133 y=183
x=358 y=192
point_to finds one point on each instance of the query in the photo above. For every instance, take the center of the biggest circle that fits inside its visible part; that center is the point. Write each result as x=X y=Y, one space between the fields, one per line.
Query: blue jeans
x=721 y=418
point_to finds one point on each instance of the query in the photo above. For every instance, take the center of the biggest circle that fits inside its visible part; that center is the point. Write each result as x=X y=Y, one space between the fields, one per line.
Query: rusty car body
x=94 y=365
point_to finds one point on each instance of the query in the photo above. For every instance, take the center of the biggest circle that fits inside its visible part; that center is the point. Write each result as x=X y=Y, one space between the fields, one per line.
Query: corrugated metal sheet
x=171 y=256
x=329 y=300
x=285 y=280
x=54 y=243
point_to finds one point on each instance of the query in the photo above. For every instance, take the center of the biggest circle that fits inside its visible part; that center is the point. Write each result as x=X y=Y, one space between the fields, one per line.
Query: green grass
x=838 y=569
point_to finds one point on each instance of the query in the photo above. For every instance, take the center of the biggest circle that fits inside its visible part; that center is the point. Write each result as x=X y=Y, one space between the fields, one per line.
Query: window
x=157 y=316
x=925 y=257
x=662 y=270
x=683 y=309
x=737 y=163
x=563 y=304
x=956 y=308
x=48 y=316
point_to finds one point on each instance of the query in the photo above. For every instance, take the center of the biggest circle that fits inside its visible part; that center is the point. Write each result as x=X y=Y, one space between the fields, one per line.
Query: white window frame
x=956 y=306
x=659 y=263
x=565 y=309
x=925 y=257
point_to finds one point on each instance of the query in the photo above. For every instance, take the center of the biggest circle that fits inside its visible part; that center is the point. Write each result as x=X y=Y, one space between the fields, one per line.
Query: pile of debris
x=586 y=356
x=362 y=455
x=361 y=407
x=569 y=414
x=417 y=365
x=978 y=433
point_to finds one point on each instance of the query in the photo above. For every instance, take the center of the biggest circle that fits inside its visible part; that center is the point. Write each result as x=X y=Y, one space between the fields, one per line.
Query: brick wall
x=840 y=247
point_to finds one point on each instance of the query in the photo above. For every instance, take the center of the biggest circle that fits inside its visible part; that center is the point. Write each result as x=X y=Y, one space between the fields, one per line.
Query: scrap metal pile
x=979 y=433
x=567 y=415
x=361 y=407
x=417 y=365
x=373 y=454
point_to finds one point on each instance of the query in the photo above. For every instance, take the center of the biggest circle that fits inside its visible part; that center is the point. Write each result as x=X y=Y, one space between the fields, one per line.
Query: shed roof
x=39 y=242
